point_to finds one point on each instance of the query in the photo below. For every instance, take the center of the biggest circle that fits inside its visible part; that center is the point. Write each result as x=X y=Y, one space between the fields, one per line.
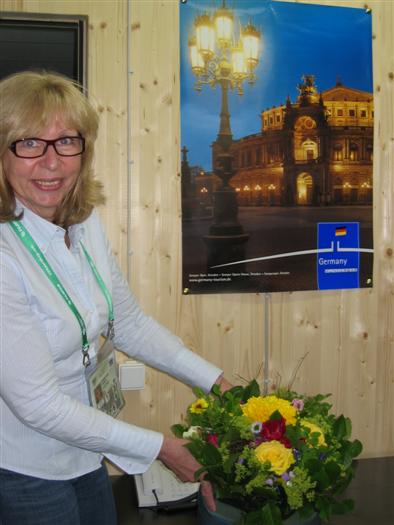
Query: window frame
x=42 y=20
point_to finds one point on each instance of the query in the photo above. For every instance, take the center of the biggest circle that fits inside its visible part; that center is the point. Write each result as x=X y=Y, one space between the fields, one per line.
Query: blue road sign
x=338 y=257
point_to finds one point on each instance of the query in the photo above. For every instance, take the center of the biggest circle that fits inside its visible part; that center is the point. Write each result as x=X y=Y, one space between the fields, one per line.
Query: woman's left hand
x=176 y=457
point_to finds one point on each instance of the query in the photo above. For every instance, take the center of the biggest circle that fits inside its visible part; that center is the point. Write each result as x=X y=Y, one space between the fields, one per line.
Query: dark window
x=369 y=150
x=50 y=42
x=340 y=112
x=363 y=113
x=352 y=113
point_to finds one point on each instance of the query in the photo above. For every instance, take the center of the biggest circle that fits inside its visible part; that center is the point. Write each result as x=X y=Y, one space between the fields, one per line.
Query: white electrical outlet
x=132 y=375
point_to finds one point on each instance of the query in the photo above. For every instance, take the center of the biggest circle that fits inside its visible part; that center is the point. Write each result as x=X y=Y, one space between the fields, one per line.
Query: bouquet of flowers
x=271 y=456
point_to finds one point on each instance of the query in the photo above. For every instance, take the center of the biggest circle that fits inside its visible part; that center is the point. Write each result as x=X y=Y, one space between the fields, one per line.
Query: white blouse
x=47 y=428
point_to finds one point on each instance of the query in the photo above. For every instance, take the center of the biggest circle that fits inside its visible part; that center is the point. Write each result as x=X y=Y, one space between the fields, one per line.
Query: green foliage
x=178 y=430
x=225 y=442
x=300 y=489
x=270 y=514
x=342 y=428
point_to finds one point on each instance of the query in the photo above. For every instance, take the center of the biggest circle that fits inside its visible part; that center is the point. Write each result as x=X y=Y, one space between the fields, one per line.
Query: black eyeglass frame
x=12 y=147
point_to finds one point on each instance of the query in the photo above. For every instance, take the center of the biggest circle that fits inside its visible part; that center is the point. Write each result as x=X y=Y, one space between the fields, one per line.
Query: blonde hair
x=29 y=101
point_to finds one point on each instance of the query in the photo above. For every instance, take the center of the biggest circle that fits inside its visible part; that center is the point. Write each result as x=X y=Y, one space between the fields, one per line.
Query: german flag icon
x=341 y=231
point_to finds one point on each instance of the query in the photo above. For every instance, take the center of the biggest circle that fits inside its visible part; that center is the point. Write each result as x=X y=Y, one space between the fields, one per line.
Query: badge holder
x=102 y=379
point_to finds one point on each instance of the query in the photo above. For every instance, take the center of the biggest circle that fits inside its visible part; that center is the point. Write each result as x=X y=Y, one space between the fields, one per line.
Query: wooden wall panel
x=345 y=338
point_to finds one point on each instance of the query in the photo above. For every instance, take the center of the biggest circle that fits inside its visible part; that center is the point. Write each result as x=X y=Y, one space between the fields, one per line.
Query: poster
x=277 y=121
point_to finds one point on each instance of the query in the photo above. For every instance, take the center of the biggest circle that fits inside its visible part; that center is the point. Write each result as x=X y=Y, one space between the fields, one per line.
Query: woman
x=60 y=289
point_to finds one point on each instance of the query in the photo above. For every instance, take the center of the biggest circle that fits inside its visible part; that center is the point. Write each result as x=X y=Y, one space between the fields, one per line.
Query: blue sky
x=297 y=39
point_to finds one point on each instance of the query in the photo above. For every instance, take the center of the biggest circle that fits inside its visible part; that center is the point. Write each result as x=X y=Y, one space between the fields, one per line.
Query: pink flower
x=298 y=404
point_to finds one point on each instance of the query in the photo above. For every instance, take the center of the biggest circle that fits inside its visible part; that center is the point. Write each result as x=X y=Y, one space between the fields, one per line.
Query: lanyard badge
x=101 y=372
x=102 y=379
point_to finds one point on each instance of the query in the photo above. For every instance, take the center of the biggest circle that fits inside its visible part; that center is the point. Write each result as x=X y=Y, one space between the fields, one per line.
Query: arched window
x=338 y=152
x=369 y=150
x=353 y=151
x=258 y=156
x=304 y=189
x=310 y=150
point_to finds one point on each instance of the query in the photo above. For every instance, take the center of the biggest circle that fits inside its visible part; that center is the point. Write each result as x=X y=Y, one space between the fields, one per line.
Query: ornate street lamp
x=224 y=53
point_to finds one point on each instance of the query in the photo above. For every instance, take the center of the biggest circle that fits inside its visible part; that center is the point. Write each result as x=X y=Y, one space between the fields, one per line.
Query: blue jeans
x=87 y=500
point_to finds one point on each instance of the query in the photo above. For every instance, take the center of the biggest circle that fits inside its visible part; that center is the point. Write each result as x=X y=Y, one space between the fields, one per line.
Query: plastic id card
x=103 y=383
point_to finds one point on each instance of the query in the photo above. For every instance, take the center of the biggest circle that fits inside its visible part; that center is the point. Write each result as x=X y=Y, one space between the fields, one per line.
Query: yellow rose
x=199 y=406
x=277 y=454
x=315 y=429
x=262 y=408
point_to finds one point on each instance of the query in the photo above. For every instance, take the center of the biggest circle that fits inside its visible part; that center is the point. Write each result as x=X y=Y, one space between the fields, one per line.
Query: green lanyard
x=39 y=257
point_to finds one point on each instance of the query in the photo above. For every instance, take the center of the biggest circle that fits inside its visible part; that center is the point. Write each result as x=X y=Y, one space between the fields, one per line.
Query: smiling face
x=42 y=183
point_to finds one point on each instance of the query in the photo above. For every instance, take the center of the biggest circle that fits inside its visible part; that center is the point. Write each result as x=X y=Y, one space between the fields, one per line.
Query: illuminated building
x=316 y=151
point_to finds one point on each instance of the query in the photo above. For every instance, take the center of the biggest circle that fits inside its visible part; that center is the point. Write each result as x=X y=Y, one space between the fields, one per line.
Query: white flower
x=193 y=431
x=256 y=427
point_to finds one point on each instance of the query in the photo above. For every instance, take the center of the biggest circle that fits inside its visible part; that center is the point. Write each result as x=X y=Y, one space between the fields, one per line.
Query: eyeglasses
x=32 y=148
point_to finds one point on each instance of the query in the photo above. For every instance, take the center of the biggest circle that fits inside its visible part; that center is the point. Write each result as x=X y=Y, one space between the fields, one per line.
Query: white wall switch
x=132 y=375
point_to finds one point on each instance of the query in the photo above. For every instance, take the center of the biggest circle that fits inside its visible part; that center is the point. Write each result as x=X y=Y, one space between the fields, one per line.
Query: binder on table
x=159 y=487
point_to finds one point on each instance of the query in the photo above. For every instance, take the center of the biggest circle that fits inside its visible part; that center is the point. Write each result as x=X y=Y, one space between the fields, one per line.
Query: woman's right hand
x=176 y=457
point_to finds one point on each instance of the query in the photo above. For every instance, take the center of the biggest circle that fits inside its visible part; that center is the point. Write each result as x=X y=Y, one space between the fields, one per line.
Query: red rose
x=213 y=440
x=275 y=430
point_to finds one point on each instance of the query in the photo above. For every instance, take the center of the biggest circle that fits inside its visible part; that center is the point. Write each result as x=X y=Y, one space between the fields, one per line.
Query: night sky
x=328 y=42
